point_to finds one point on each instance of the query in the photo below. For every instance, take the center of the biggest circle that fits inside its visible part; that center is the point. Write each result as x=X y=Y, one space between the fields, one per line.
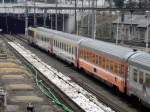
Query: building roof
x=139 y=20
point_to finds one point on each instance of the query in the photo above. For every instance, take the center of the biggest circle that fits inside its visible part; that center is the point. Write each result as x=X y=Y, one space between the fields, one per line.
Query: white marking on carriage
x=87 y=101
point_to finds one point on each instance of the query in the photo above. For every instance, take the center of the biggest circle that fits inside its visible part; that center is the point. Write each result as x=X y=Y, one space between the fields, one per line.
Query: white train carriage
x=138 y=81
x=59 y=43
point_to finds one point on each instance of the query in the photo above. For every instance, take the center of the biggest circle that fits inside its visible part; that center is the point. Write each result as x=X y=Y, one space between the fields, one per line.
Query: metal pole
x=56 y=15
x=45 y=17
x=82 y=20
x=131 y=29
x=26 y=19
x=89 y=19
x=75 y=17
x=117 y=36
x=63 y=24
x=35 y=21
x=51 y=20
x=93 y=20
x=147 y=36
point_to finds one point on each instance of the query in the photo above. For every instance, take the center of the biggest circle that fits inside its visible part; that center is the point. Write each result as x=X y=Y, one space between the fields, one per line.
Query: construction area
x=18 y=90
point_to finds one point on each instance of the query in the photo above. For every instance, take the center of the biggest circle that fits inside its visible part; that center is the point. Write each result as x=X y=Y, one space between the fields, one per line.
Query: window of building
x=135 y=75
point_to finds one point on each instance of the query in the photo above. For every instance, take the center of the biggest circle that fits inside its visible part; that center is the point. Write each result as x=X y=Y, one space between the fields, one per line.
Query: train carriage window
x=82 y=53
x=93 y=57
x=58 y=44
x=31 y=33
x=111 y=66
x=100 y=59
x=90 y=56
x=141 y=77
x=115 y=68
x=103 y=62
x=147 y=81
x=61 y=46
x=55 y=43
x=64 y=46
x=67 y=48
x=72 y=50
x=119 y=69
x=87 y=55
x=107 y=64
x=97 y=60
x=135 y=75
x=122 y=70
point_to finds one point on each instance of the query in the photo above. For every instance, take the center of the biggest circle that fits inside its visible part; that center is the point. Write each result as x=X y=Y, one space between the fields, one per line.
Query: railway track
x=99 y=95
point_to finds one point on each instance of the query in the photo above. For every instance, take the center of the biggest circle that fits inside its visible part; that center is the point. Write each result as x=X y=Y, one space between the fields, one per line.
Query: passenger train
x=122 y=67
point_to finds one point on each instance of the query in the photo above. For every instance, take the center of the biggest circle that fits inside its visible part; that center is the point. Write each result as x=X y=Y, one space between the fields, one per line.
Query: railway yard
x=18 y=78
x=74 y=56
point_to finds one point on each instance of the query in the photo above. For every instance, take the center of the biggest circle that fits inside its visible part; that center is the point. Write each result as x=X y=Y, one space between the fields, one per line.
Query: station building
x=131 y=28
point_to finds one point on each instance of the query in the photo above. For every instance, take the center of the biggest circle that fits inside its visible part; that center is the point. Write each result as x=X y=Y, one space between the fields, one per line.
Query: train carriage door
x=141 y=80
x=76 y=51
x=146 y=85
